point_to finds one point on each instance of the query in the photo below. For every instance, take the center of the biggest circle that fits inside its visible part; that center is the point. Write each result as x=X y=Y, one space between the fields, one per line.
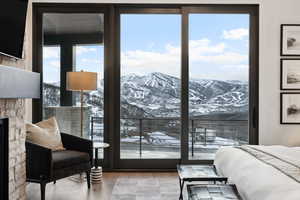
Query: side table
x=96 y=172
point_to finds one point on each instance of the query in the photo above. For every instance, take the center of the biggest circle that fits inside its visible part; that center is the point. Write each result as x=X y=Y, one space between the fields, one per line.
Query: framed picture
x=290 y=108
x=290 y=40
x=290 y=74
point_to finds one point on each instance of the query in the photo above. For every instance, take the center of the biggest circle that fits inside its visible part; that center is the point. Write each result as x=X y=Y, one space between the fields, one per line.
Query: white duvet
x=256 y=180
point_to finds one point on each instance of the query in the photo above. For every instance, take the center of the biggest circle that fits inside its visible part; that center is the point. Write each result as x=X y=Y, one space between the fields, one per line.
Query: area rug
x=147 y=187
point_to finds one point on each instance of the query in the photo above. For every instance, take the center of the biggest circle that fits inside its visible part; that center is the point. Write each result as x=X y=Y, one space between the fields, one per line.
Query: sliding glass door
x=176 y=82
x=187 y=84
x=218 y=82
x=150 y=86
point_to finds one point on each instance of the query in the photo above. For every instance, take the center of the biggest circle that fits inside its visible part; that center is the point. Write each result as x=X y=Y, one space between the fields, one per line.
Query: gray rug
x=145 y=188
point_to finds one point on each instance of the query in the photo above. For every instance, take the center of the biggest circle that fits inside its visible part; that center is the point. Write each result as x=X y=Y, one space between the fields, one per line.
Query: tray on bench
x=199 y=173
x=213 y=192
x=189 y=173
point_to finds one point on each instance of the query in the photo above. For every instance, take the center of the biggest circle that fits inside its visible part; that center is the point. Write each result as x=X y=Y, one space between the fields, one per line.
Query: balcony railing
x=164 y=133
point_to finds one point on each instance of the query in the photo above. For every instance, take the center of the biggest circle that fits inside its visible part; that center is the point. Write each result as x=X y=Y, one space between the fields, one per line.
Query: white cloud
x=204 y=51
x=226 y=72
x=54 y=63
x=51 y=52
x=91 y=61
x=144 y=62
x=204 y=46
x=54 y=52
x=201 y=52
x=81 y=50
x=236 y=34
x=239 y=67
x=224 y=58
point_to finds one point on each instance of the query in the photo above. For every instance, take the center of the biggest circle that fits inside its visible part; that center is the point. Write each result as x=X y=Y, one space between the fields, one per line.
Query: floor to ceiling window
x=175 y=82
x=73 y=42
x=150 y=86
x=218 y=82
x=51 y=76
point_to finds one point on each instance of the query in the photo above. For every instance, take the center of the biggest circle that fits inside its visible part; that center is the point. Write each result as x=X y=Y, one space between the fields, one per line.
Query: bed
x=262 y=172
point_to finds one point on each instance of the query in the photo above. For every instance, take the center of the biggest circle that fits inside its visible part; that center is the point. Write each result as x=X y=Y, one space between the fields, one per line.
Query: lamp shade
x=81 y=81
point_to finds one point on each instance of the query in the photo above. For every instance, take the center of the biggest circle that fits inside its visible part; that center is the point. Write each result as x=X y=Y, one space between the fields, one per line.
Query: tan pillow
x=45 y=133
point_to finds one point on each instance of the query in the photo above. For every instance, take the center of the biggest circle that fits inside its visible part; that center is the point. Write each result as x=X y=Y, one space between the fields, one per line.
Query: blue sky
x=150 y=43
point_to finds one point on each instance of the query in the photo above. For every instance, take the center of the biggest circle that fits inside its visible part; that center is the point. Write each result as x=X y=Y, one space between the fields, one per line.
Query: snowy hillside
x=158 y=95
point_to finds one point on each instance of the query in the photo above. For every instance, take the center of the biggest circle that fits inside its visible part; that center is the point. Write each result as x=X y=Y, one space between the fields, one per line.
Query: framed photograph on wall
x=290 y=108
x=290 y=40
x=290 y=74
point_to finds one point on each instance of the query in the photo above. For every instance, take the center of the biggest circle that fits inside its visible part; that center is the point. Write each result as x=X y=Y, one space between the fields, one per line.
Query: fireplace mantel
x=18 y=83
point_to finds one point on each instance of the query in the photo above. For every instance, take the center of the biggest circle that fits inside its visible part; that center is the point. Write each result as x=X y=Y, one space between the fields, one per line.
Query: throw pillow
x=45 y=133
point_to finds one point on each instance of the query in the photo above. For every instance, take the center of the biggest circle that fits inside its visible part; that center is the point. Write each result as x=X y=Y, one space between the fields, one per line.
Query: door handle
x=254 y=118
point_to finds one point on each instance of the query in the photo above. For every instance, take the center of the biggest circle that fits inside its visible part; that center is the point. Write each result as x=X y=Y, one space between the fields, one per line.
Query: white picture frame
x=290 y=40
x=290 y=74
x=290 y=108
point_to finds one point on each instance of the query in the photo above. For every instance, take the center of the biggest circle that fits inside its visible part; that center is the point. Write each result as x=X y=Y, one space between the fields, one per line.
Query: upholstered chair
x=44 y=165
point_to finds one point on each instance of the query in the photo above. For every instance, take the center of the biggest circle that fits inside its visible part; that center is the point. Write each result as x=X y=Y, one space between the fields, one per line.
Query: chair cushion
x=68 y=158
x=45 y=133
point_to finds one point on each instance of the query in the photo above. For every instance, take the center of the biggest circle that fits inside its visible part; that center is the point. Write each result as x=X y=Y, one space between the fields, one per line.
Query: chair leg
x=54 y=182
x=43 y=190
x=88 y=179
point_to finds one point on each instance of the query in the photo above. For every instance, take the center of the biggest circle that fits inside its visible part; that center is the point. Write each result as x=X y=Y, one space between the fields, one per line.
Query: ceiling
x=65 y=24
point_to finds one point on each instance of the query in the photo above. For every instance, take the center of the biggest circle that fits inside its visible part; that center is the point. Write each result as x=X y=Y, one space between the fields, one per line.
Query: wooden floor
x=115 y=186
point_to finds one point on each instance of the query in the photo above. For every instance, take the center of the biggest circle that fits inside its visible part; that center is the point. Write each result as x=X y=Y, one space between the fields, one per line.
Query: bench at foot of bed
x=212 y=192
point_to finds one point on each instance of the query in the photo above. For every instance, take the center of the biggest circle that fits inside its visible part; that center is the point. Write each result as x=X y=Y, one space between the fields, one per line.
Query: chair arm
x=38 y=162
x=72 y=142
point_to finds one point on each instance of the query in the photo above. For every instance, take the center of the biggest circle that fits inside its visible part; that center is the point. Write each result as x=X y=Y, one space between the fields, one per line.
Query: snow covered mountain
x=158 y=95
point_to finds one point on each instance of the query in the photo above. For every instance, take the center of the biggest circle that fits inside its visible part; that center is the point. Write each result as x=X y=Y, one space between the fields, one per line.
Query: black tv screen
x=12 y=21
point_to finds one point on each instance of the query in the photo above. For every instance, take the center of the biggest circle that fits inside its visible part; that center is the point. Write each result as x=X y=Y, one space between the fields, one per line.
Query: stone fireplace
x=18 y=111
x=4 y=159
x=15 y=111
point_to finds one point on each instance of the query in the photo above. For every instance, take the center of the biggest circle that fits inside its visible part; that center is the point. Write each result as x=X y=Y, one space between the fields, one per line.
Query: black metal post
x=67 y=62
x=96 y=158
x=193 y=131
x=204 y=136
x=141 y=133
x=92 y=128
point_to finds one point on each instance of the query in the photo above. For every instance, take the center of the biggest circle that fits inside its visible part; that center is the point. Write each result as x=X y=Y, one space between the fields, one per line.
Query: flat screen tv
x=13 y=21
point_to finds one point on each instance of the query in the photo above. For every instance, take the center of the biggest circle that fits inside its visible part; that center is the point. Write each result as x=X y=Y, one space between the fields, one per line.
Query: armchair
x=44 y=165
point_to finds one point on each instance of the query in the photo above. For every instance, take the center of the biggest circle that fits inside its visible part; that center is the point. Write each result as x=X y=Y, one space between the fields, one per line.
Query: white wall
x=272 y=14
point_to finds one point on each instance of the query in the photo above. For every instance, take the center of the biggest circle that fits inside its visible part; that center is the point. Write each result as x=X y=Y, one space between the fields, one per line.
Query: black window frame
x=112 y=13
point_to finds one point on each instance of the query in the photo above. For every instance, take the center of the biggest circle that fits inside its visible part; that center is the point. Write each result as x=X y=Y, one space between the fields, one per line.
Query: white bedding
x=256 y=180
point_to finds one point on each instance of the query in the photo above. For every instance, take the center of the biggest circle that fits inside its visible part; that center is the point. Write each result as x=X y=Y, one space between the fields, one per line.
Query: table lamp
x=81 y=81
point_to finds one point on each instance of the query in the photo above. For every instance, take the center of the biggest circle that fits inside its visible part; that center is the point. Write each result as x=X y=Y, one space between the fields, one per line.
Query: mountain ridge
x=158 y=95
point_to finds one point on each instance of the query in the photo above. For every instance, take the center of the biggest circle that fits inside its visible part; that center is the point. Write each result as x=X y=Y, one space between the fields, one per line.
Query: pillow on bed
x=45 y=133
